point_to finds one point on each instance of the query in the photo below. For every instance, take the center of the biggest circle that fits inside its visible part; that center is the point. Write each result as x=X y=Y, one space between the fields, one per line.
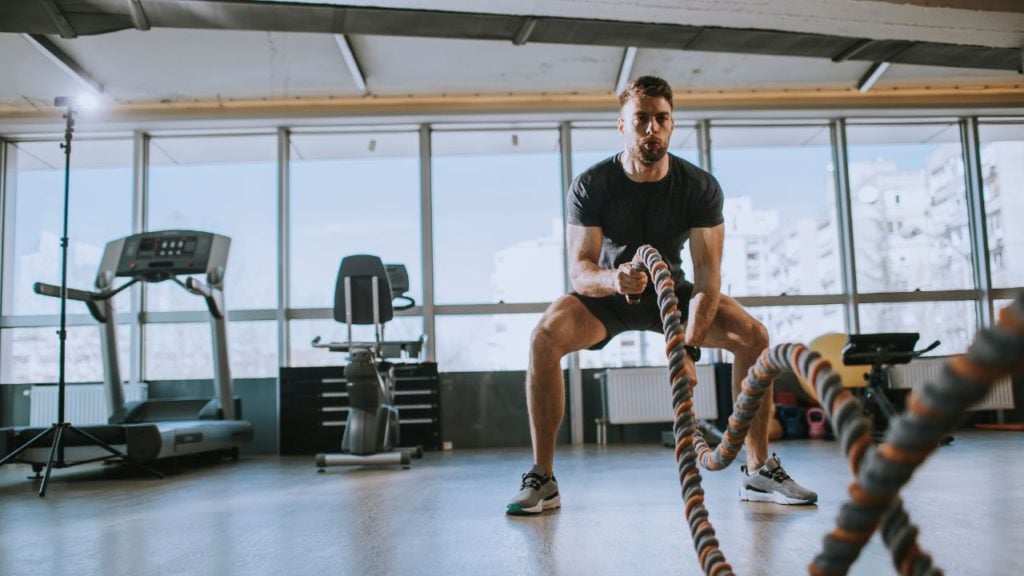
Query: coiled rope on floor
x=879 y=472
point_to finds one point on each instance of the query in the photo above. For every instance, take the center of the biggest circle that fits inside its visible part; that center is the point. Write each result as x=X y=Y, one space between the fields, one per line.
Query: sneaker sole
x=774 y=497
x=517 y=510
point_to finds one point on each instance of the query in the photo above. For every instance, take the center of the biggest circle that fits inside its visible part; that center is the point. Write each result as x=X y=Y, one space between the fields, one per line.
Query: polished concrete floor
x=621 y=514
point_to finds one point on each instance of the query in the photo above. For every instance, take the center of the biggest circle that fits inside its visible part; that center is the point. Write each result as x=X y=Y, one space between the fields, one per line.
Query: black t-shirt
x=632 y=214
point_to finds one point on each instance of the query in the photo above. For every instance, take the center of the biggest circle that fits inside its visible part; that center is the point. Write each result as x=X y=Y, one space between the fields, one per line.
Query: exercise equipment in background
x=816 y=422
x=364 y=295
x=153 y=429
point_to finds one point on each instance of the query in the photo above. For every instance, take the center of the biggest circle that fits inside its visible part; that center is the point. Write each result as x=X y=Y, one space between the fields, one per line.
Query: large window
x=633 y=348
x=185 y=351
x=484 y=342
x=594 y=143
x=1002 y=168
x=781 y=235
x=303 y=332
x=497 y=216
x=31 y=355
x=497 y=234
x=352 y=194
x=909 y=208
x=952 y=323
x=226 y=185
x=799 y=323
x=99 y=210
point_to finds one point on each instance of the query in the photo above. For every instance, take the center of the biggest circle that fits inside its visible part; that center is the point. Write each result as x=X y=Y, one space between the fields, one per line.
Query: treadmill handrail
x=212 y=297
x=90 y=298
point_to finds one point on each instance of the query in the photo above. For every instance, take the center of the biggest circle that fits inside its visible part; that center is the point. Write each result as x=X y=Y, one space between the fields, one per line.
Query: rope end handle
x=637 y=264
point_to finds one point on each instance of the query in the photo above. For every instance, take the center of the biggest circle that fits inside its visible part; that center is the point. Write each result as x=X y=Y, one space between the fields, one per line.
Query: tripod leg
x=24 y=446
x=57 y=439
x=885 y=405
x=883 y=408
x=114 y=451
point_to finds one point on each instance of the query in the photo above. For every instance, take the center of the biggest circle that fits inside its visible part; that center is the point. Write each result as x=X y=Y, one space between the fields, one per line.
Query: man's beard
x=647 y=155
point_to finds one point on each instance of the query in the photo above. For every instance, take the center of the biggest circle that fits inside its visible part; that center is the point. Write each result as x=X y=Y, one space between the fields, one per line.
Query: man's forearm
x=589 y=279
x=703 y=306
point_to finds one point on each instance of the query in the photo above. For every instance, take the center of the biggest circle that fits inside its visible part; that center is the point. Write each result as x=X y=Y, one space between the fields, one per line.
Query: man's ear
x=621 y=124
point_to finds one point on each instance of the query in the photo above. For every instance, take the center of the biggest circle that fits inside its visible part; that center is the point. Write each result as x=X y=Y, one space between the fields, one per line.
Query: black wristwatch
x=693 y=352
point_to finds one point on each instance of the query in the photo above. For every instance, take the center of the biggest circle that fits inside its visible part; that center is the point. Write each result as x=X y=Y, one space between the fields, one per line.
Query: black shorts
x=618 y=316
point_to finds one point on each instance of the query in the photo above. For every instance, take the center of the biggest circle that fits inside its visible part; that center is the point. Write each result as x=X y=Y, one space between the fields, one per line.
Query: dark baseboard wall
x=478 y=409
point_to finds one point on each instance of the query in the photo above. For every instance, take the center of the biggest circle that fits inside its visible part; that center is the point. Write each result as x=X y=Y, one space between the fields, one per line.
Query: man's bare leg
x=567 y=326
x=738 y=332
x=757 y=436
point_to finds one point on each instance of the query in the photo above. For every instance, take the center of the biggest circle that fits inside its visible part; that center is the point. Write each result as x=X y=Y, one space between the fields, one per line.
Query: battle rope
x=880 y=472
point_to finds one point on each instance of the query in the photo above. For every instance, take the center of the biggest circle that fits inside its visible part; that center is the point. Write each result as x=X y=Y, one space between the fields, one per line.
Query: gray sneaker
x=538 y=493
x=770 y=483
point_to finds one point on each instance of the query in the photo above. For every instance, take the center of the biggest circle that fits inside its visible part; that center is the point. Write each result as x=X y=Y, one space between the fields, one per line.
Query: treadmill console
x=156 y=256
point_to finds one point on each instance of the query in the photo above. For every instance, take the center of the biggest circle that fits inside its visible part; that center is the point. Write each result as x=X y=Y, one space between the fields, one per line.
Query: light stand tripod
x=62 y=426
x=881 y=351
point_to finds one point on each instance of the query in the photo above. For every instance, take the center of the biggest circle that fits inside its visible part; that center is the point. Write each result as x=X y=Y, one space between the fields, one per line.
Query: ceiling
x=201 y=59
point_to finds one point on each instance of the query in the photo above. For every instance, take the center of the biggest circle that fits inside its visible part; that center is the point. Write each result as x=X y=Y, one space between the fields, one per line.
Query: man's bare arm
x=706 y=251
x=587 y=277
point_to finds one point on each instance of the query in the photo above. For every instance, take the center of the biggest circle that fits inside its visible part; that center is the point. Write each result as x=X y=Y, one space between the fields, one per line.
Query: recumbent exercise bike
x=364 y=295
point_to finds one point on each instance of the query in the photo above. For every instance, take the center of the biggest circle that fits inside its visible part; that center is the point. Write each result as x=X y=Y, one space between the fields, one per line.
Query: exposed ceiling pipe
x=626 y=70
x=59 y=20
x=872 y=76
x=524 y=31
x=54 y=54
x=852 y=50
x=351 y=63
x=138 y=14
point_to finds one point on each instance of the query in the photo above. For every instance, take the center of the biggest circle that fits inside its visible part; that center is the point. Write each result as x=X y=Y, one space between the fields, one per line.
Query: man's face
x=646 y=123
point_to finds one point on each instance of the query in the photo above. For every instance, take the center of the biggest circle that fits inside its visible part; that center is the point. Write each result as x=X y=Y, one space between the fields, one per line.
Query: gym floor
x=621 y=514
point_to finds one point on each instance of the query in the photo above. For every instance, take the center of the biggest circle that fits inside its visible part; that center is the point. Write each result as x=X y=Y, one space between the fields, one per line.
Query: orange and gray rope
x=879 y=473
x=932 y=412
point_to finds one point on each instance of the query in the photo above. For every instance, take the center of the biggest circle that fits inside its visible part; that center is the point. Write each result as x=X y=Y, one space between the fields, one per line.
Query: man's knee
x=758 y=336
x=545 y=341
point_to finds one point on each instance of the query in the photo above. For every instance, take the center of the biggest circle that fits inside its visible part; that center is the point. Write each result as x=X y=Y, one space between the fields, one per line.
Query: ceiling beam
x=66 y=63
x=58 y=19
x=378 y=109
x=523 y=34
x=852 y=50
x=351 y=63
x=101 y=16
x=138 y=14
x=976 y=5
x=625 y=70
x=871 y=76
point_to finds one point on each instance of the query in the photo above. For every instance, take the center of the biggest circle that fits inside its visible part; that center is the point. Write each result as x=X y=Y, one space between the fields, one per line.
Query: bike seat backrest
x=361 y=269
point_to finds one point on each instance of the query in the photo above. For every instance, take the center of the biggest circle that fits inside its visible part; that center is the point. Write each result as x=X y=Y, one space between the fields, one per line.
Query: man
x=643 y=195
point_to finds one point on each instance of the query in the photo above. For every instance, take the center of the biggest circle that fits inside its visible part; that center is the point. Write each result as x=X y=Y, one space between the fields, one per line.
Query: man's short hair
x=650 y=86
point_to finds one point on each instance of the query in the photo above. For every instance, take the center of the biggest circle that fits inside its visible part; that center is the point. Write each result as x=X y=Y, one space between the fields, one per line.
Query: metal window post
x=704 y=144
x=841 y=176
x=427 y=242
x=283 y=241
x=6 y=254
x=575 y=372
x=974 y=183
x=703 y=129
x=6 y=232
x=140 y=197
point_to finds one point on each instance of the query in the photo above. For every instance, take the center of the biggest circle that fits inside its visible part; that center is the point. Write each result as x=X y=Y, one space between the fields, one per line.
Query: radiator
x=84 y=404
x=638 y=395
x=917 y=372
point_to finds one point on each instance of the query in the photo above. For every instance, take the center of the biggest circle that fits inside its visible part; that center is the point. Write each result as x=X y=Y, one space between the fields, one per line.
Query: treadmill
x=152 y=430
